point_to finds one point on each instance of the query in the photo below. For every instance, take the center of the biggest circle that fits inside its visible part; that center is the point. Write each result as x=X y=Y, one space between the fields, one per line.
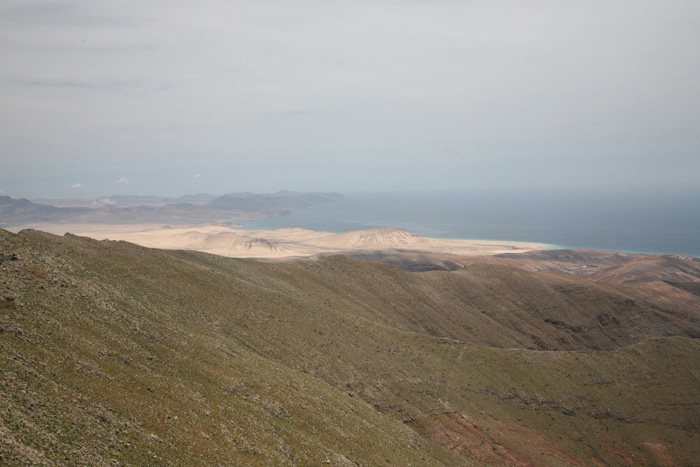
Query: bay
x=644 y=222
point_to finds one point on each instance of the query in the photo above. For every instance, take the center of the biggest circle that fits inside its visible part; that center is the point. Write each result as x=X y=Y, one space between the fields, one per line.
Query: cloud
x=103 y=201
x=2 y=190
x=75 y=185
x=433 y=85
x=61 y=14
x=295 y=113
x=123 y=180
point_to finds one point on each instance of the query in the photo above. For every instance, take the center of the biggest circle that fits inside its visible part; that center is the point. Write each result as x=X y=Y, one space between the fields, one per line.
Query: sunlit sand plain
x=283 y=243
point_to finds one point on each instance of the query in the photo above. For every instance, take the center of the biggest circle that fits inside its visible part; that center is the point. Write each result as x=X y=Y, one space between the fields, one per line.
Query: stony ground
x=114 y=354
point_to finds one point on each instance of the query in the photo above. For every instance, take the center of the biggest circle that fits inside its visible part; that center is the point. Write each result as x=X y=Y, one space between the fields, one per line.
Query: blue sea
x=644 y=222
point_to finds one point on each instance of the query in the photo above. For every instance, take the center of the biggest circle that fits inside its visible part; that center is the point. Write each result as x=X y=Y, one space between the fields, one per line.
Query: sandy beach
x=289 y=243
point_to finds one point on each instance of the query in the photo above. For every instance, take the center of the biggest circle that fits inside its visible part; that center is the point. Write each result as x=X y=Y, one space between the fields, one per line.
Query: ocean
x=641 y=222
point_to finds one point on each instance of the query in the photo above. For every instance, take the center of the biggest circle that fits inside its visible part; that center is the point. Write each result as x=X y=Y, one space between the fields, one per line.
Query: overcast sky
x=175 y=97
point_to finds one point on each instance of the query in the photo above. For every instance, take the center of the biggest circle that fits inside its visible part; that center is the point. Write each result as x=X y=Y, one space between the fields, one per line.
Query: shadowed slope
x=607 y=266
x=493 y=305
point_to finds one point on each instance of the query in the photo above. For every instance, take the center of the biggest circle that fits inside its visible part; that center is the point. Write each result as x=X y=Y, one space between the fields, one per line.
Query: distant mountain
x=26 y=212
x=19 y=207
x=185 y=210
x=118 y=354
x=199 y=198
x=283 y=200
x=126 y=199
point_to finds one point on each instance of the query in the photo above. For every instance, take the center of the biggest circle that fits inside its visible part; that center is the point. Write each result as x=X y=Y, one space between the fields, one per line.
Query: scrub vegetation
x=115 y=354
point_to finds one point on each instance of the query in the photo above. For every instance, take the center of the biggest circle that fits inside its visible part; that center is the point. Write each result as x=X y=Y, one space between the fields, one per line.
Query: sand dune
x=291 y=243
x=372 y=239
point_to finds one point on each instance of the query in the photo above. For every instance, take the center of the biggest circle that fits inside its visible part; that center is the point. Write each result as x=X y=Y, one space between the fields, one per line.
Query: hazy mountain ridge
x=282 y=199
x=146 y=209
x=114 y=352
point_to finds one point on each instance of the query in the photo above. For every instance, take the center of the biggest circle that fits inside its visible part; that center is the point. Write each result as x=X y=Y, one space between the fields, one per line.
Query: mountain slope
x=651 y=268
x=118 y=353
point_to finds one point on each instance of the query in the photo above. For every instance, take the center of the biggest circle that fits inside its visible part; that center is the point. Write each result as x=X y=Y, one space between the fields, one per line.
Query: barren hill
x=286 y=244
x=647 y=268
x=374 y=239
x=118 y=354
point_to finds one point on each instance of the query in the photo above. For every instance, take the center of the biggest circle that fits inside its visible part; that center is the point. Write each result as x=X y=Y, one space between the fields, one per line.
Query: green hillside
x=114 y=354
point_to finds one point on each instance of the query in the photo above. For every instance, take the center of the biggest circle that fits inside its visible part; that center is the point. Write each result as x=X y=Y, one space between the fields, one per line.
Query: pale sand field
x=283 y=243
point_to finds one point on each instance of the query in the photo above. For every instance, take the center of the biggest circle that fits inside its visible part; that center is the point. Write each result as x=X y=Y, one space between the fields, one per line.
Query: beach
x=285 y=243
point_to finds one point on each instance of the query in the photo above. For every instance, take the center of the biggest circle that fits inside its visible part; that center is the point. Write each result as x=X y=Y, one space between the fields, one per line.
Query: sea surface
x=644 y=222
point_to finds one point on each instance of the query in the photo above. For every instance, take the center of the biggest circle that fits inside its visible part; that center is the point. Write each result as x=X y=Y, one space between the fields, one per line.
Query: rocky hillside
x=115 y=354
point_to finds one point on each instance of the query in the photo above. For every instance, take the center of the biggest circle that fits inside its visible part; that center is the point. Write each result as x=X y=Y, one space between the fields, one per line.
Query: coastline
x=296 y=242
x=565 y=222
x=287 y=242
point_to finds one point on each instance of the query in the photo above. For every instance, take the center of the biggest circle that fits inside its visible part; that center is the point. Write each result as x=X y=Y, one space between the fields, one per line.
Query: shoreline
x=456 y=216
x=285 y=242
x=135 y=233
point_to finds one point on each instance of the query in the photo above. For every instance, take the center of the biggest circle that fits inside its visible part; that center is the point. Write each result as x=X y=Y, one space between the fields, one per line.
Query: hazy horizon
x=638 y=222
x=639 y=194
x=170 y=98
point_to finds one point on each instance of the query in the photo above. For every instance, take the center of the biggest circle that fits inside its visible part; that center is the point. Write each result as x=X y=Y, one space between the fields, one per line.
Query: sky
x=180 y=97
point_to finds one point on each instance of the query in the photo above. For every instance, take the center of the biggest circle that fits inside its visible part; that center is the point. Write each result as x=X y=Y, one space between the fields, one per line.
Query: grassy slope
x=112 y=352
